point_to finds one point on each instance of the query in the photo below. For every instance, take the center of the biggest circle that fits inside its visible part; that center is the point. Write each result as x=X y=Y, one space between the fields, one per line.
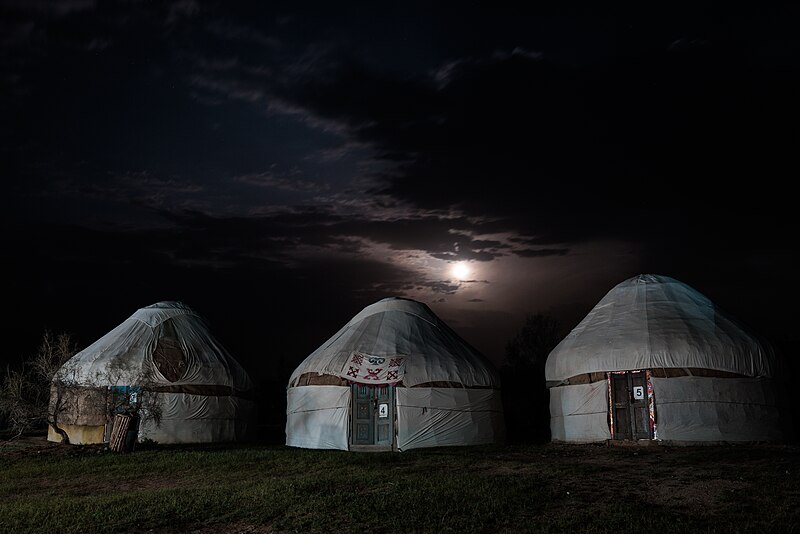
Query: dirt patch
x=39 y=446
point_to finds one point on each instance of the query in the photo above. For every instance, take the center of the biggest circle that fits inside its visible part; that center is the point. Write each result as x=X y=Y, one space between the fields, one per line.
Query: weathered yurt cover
x=203 y=392
x=447 y=393
x=657 y=323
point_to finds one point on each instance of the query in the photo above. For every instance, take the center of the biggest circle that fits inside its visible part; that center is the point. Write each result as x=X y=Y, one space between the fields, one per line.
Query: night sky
x=278 y=168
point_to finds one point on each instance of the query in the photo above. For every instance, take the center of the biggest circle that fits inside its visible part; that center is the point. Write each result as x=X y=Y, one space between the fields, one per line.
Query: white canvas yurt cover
x=655 y=359
x=166 y=353
x=394 y=377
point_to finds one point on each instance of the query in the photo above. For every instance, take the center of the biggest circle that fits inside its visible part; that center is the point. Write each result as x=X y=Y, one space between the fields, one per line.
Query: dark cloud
x=315 y=226
x=182 y=9
x=236 y=31
x=541 y=252
x=55 y=8
x=463 y=255
x=439 y=286
x=567 y=154
x=16 y=34
x=290 y=181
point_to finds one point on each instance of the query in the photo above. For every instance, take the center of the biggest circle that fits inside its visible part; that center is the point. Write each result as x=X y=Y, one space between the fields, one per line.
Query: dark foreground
x=545 y=488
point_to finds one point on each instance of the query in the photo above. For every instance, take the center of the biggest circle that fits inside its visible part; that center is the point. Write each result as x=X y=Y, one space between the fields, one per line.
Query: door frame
x=374 y=400
x=632 y=407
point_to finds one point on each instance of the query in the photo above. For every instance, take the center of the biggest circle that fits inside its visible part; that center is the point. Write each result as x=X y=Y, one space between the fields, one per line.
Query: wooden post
x=119 y=431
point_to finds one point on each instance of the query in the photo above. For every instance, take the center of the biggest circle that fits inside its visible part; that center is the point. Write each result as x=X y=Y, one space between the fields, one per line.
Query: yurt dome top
x=164 y=344
x=155 y=314
x=652 y=321
x=404 y=330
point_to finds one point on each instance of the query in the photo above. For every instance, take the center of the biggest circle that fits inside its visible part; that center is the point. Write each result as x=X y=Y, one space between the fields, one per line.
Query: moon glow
x=461 y=270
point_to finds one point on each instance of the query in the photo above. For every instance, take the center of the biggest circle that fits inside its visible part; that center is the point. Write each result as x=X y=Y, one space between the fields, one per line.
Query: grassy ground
x=546 y=488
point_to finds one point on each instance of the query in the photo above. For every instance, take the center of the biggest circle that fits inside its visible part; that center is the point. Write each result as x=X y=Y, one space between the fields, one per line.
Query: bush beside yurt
x=657 y=360
x=163 y=365
x=395 y=377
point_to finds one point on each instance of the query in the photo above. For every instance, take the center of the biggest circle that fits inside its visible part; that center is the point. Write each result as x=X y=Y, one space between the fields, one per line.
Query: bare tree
x=26 y=398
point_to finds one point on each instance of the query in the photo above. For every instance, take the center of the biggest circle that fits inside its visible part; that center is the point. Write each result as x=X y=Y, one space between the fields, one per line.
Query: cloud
x=143 y=189
x=560 y=153
x=546 y=149
x=136 y=183
x=455 y=69
x=182 y=9
x=541 y=252
x=438 y=286
x=54 y=8
x=528 y=54
x=465 y=255
x=291 y=181
x=232 y=88
x=318 y=226
x=235 y=31
x=685 y=43
x=16 y=34
x=446 y=72
x=98 y=44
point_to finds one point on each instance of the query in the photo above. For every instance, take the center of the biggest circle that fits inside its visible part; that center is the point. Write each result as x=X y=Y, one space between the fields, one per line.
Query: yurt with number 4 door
x=163 y=364
x=394 y=378
x=657 y=360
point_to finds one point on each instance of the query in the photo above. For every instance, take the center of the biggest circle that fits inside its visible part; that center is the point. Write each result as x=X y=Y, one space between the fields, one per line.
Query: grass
x=544 y=488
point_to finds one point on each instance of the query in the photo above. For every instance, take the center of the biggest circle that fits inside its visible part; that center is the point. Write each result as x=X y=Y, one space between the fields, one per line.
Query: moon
x=461 y=270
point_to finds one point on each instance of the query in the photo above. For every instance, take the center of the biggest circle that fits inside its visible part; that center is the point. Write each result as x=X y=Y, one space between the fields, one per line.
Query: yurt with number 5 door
x=395 y=377
x=657 y=360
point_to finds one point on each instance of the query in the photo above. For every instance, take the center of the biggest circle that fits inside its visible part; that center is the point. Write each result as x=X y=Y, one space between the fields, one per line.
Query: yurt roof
x=399 y=327
x=124 y=356
x=651 y=321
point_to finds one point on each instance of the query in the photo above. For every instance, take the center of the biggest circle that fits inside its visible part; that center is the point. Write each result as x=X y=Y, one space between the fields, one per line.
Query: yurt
x=394 y=378
x=657 y=360
x=163 y=359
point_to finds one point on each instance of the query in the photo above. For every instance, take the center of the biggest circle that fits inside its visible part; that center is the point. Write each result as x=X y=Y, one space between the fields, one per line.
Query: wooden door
x=384 y=415
x=630 y=405
x=373 y=415
x=363 y=416
x=621 y=406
